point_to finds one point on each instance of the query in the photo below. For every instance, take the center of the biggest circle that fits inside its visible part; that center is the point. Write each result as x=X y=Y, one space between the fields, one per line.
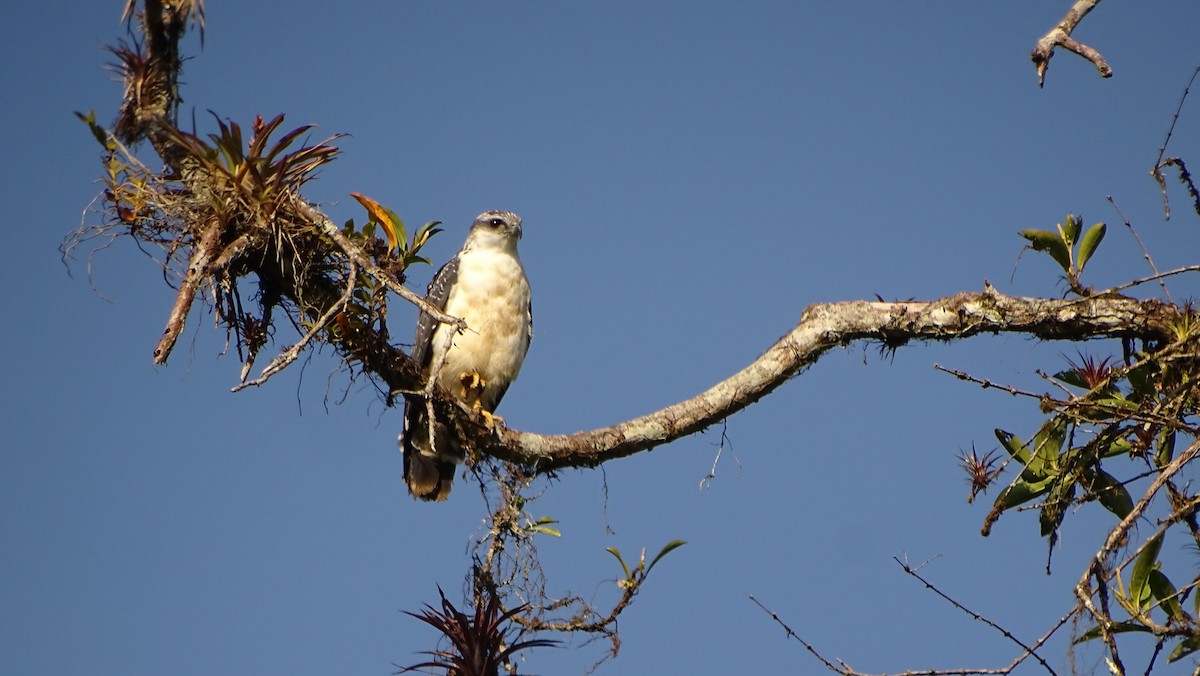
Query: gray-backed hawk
x=485 y=285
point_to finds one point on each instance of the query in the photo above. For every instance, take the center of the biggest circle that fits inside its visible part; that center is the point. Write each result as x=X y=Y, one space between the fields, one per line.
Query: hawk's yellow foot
x=473 y=385
x=491 y=419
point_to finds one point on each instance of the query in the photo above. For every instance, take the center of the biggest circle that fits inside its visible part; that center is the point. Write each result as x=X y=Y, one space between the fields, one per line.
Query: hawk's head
x=494 y=230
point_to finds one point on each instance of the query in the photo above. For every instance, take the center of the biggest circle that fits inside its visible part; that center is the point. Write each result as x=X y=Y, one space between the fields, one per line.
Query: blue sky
x=691 y=176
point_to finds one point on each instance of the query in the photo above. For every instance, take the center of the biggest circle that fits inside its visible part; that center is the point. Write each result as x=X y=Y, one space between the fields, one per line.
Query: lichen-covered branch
x=824 y=327
x=1060 y=36
x=150 y=72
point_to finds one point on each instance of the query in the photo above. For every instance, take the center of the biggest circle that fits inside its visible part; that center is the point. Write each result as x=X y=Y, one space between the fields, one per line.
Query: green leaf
x=542 y=525
x=1013 y=445
x=1021 y=492
x=422 y=235
x=1051 y=243
x=1117 y=401
x=1071 y=228
x=1048 y=443
x=1196 y=604
x=1116 y=628
x=1139 y=580
x=1071 y=377
x=667 y=549
x=99 y=132
x=616 y=553
x=1185 y=648
x=1118 y=446
x=1167 y=595
x=1141 y=380
x=1166 y=450
x=396 y=228
x=1087 y=245
x=1054 y=508
x=1112 y=494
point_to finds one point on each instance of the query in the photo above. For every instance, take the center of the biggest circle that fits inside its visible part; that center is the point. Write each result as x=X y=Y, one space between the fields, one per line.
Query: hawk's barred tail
x=428 y=478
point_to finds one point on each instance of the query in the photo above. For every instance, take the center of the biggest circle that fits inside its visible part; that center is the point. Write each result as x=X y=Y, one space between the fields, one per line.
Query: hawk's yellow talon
x=472 y=385
x=492 y=420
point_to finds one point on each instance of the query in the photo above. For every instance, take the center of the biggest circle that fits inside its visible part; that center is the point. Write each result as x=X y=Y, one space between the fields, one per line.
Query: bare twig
x=1060 y=36
x=725 y=441
x=1154 y=278
x=1162 y=161
x=431 y=383
x=284 y=359
x=1029 y=651
x=987 y=384
x=846 y=670
x=1142 y=246
x=793 y=635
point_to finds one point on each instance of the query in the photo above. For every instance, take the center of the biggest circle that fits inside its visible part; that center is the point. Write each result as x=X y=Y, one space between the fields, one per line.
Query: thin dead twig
x=1162 y=161
x=1029 y=651
x=841 y=667
x=285 y=359
x=1145 y=252
x=1060 y=36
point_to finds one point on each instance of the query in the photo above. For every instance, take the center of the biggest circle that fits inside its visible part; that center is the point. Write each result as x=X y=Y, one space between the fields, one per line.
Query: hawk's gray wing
x=428 y=477
x=436 y=295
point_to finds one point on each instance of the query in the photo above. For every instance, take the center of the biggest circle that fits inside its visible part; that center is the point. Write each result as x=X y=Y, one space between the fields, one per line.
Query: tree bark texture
x=823 y=327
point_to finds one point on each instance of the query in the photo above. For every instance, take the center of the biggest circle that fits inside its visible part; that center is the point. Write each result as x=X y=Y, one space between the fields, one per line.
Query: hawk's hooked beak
x=517 y=230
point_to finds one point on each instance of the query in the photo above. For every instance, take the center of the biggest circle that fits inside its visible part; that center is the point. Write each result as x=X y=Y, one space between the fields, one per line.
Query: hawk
x=485 y=285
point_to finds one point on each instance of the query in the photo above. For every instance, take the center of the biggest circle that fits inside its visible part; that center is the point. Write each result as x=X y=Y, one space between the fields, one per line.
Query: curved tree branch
x=822 y=328
x=1060 y=36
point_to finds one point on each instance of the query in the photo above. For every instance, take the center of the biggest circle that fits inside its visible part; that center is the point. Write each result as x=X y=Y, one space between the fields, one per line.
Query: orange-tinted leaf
x=386 y=218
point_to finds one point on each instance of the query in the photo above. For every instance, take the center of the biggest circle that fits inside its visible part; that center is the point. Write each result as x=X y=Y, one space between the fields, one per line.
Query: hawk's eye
x=496 y=222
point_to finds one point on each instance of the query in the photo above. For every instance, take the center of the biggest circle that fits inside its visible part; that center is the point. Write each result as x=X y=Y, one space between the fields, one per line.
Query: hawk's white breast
x=492 y=295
